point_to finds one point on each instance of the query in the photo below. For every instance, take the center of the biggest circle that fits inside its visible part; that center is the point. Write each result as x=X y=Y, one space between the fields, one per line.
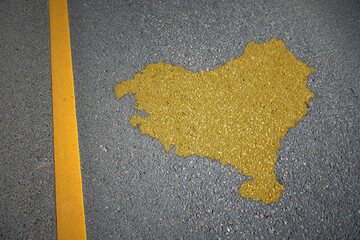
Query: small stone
x=103 y=148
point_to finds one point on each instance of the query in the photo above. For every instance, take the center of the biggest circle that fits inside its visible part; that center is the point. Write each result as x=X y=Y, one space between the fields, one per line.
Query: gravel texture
x=27 y=194
x=132 y=188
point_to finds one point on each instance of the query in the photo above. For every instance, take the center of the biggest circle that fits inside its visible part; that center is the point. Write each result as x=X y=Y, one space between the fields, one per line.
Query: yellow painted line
x=69 y=198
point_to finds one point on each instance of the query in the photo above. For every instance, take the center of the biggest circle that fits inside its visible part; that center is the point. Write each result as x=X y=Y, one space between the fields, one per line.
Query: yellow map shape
x=236 y=113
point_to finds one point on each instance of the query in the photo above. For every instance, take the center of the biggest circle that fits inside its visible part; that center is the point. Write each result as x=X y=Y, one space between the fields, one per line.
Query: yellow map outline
x=236 y=113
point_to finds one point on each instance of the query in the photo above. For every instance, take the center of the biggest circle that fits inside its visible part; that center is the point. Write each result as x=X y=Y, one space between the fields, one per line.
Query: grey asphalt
x=132 y=188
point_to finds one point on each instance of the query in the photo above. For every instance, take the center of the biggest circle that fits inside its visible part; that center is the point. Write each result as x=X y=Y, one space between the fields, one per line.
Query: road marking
x=69 y=198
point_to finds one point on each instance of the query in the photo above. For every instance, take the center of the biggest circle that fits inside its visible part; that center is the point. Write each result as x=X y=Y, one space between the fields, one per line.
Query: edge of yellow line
x=70 y=215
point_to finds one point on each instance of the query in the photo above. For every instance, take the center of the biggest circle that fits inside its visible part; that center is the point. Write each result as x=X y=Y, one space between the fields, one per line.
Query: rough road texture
x=236 y=113
x=27 y=194
x=132 y=188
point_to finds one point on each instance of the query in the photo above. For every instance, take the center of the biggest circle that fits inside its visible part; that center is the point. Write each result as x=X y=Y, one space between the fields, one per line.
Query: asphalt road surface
x=132 y=188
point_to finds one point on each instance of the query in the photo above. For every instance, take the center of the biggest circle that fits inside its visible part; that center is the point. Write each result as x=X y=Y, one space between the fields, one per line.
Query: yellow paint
x=69 y=199
x=236 y=113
